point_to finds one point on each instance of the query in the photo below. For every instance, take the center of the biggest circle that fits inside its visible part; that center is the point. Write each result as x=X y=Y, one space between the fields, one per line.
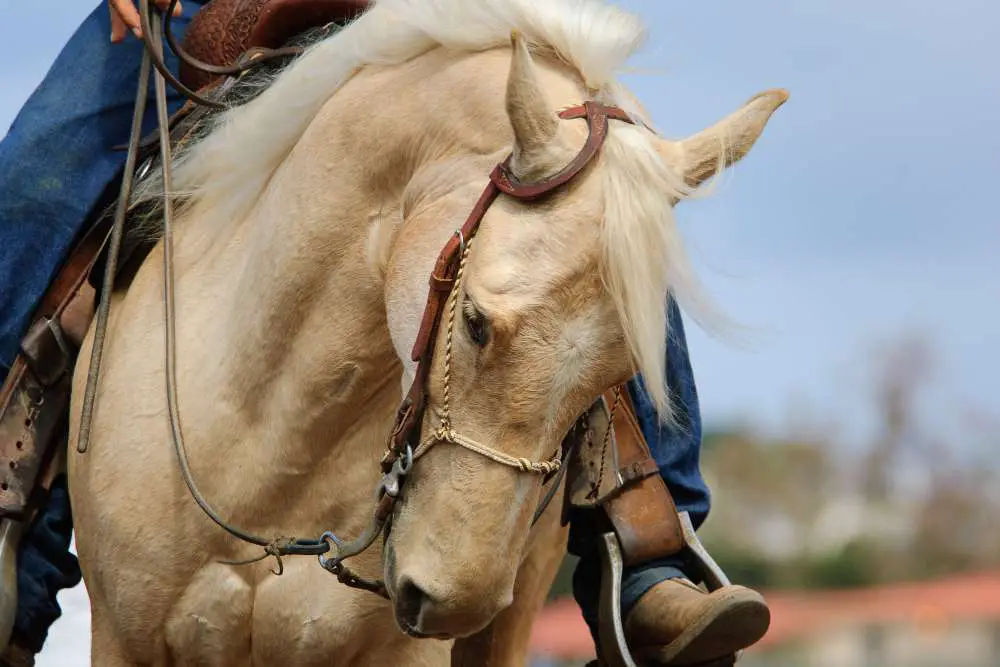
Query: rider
x=57 y=165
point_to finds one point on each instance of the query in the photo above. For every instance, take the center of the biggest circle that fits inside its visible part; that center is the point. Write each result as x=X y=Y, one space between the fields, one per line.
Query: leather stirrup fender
x=643 y=514
x=616 y=471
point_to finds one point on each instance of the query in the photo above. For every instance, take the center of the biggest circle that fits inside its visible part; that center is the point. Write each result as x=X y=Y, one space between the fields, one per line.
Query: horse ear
x=535 y=124
x=705 y=154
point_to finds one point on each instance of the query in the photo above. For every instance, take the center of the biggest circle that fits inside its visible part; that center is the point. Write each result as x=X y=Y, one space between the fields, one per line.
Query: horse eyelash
x=472 y=314
x=469 y=309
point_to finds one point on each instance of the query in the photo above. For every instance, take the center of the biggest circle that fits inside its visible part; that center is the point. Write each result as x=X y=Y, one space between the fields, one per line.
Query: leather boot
x=676 y=623
x=16 y=655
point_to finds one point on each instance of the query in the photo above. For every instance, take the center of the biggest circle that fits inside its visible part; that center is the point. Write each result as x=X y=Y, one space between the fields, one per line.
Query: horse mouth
x=413 y=632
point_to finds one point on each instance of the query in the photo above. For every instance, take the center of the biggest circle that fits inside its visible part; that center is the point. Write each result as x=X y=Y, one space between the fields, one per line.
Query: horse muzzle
x=427 y=607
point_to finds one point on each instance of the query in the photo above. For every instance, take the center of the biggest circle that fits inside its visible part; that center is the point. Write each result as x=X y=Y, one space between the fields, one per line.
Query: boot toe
x=683 y=626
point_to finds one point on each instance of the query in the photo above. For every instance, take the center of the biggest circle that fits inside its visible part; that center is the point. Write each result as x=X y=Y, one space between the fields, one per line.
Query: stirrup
x=614 y=651
x=10 y=535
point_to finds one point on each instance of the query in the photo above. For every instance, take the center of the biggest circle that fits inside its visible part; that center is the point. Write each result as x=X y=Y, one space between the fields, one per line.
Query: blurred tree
x=901 y=371
x=848 y=567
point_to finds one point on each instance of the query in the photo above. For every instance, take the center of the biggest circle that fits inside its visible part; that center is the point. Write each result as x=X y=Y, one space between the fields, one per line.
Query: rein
x=404 y=445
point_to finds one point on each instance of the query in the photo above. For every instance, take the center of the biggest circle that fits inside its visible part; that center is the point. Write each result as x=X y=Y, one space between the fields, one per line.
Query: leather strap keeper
x=643 y=513
x=47 y=352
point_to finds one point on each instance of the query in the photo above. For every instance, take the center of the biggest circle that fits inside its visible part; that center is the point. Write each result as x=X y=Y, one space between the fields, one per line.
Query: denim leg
x=676 y=449
x=55 y=164
x=57 y=160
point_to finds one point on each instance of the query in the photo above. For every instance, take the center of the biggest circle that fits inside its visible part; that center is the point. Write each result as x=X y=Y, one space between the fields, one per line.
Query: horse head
x=558 y=298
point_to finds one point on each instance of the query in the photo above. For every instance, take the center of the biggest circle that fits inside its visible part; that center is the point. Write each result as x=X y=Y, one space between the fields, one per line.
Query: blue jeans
x=56 y=164
x=57 y=160
x=677 y=450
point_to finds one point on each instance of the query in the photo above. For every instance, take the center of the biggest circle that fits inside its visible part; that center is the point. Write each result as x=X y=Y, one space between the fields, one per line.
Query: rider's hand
x=125 y=16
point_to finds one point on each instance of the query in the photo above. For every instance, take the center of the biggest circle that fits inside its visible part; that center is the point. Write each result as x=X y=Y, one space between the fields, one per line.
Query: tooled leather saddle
x=225 y=29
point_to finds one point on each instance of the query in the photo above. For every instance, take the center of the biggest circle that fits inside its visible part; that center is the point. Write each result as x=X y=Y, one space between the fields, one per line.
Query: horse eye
x=476 y=324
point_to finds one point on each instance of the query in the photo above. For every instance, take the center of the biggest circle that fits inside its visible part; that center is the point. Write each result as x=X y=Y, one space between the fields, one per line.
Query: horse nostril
x=410 y=600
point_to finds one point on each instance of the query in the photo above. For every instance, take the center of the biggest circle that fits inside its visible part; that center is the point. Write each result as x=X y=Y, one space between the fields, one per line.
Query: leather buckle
x=46 y=351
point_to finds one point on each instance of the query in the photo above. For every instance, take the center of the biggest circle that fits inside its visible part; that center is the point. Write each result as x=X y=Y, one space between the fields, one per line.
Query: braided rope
x=517 y=462
x=607 y=439
x=450 y=334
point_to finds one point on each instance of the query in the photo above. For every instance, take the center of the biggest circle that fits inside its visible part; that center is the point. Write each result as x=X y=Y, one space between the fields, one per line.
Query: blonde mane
x=221 y=176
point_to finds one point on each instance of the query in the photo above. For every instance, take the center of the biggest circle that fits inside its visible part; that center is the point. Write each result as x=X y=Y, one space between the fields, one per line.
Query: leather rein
x=404 y=445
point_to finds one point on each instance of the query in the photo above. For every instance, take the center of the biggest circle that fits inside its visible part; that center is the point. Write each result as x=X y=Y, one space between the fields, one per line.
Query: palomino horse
x=310 y=220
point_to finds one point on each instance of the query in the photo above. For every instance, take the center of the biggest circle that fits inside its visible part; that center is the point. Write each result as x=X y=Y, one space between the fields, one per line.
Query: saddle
x=610 y=471
x=226 y=29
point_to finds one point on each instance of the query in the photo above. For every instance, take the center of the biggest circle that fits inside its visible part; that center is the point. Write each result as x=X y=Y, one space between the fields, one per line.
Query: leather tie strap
x=446 y=267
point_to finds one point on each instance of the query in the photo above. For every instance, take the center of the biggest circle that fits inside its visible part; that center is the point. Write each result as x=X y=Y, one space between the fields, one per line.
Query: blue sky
x=864 y=213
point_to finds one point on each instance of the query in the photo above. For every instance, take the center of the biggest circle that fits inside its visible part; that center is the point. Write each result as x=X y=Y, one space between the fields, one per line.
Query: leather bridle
x=405 y=445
